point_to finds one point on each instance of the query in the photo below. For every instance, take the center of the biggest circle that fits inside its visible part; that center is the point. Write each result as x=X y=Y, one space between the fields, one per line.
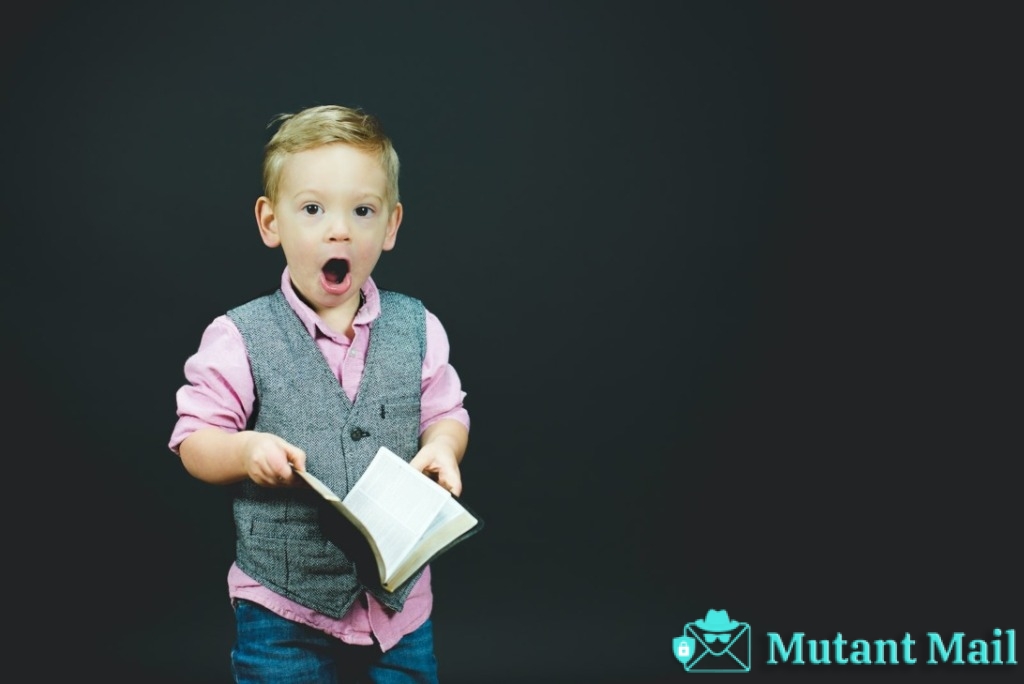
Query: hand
x=268 y=460
x=437 y=461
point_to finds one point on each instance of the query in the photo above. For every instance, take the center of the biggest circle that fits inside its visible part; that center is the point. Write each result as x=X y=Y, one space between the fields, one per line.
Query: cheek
x=298 y=250
x=368 y=252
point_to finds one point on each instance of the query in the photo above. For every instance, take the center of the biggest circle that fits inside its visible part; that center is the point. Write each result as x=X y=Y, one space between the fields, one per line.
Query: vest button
x=358 y=433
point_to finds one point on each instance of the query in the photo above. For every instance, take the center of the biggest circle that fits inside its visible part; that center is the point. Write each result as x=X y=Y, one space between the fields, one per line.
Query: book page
x=452 y=521
x=320 y=488
x=450 y=511
x=396 y=504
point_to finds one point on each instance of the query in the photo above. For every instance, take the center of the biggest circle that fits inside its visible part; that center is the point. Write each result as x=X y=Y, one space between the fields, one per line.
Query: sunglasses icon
x=712 y=638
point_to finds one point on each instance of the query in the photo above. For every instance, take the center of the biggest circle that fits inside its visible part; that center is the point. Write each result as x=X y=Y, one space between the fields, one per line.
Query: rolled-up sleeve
x=441 y=391
x=219 y=391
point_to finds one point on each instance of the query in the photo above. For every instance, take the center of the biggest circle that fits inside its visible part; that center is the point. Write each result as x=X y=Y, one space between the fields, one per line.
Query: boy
x=320 y=373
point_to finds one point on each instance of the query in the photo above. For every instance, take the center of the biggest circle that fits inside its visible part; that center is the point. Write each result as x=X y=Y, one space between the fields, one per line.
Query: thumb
x=451 y=480
x=296 y=456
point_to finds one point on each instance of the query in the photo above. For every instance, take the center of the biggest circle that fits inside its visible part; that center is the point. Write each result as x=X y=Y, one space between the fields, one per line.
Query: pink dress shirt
x=220 y=393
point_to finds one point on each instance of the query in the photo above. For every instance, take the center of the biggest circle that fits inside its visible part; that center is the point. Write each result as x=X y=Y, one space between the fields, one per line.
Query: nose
x=337 y=230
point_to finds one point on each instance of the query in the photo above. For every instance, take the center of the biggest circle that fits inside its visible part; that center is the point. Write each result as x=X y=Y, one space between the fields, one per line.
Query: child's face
x=332 y=223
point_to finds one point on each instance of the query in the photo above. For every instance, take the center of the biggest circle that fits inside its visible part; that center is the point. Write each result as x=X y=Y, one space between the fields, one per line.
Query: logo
x=714 y=644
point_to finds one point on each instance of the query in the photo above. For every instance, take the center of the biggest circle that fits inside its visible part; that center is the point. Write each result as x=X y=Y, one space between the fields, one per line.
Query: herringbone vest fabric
x=289 y=539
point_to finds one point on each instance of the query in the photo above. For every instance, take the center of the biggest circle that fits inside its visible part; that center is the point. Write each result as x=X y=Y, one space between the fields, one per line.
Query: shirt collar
x=367 y=313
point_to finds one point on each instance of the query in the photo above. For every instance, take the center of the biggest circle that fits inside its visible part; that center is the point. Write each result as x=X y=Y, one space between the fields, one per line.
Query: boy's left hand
x=437 y=461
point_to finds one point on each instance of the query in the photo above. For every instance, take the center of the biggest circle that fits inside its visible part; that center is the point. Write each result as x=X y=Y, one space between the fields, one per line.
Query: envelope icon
x=734 y=657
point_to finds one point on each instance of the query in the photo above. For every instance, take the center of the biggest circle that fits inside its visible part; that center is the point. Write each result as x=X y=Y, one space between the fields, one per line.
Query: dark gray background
x=731 y=287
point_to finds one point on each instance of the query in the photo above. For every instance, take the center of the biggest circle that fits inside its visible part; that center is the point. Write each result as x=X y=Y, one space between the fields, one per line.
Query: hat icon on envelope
x=715 y=644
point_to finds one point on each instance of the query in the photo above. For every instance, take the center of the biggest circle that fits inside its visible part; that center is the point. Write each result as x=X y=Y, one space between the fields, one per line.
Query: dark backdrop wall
x=730 y=286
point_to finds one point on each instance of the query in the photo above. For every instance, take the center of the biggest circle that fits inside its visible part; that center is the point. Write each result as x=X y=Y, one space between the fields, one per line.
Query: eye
x=364 y=211
x=312 y=209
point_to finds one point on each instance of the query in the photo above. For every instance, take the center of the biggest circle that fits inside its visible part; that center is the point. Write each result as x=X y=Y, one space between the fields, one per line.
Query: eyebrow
x=358 y=196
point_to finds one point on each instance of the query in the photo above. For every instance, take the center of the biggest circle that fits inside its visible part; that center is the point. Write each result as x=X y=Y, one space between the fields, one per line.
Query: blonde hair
x=323 y=125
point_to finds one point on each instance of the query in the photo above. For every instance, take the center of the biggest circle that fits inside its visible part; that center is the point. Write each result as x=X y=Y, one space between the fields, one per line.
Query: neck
x=340 y=319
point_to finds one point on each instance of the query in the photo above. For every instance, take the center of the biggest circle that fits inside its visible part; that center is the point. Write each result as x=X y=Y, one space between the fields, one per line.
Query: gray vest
x=289 y=539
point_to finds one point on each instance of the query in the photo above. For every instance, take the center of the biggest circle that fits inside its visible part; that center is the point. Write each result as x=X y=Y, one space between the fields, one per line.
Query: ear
x=394 y=221
x=266 y=221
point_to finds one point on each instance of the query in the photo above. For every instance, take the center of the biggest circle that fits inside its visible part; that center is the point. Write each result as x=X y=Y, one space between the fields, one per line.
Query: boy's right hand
x=269 y=460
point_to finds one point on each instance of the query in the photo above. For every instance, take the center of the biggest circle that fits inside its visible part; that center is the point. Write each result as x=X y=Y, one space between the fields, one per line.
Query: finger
x=266 y=479
x=451 y=481
x=296 y=458
x=287 y=475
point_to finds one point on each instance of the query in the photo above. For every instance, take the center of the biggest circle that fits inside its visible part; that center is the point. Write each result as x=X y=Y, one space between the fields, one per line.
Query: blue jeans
x=272 y=649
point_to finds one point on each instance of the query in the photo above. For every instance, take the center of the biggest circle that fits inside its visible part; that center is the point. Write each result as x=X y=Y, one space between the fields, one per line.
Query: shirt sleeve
x=441 y=394
x=219 y=390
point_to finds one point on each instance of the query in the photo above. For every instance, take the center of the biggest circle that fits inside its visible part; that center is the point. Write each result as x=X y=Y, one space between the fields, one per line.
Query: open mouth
x=335 y=271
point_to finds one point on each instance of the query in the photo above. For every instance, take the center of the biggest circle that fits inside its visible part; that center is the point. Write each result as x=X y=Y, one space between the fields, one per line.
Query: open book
x=407 y=518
